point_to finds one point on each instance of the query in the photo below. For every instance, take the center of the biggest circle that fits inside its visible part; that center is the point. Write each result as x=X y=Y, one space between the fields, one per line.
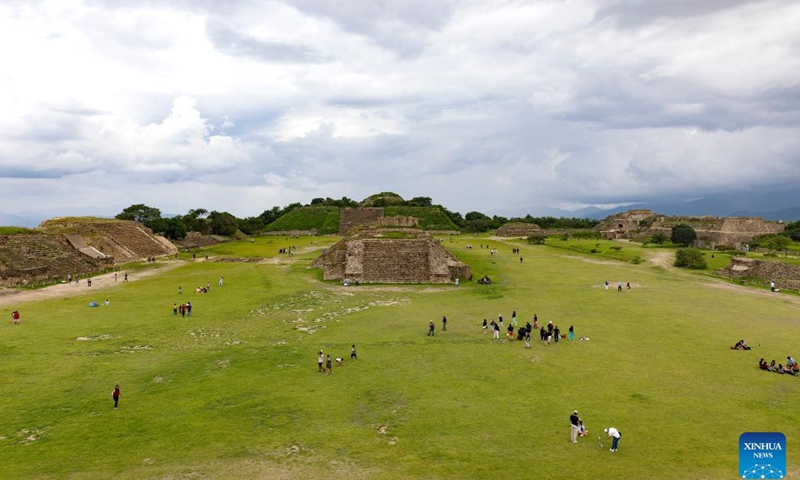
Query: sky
x=497 y=106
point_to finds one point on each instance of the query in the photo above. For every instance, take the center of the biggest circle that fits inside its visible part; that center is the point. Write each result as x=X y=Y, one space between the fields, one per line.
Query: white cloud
x=482 y=106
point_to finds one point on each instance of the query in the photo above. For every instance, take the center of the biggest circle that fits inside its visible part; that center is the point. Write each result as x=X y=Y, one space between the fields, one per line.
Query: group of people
x=548 y=335
x=328 y=368
x=791 y=367
x=619 y=286
x=578 y=429
x=184 y=309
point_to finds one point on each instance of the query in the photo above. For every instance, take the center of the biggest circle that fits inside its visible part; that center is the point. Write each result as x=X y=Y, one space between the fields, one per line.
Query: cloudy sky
x=498 y=106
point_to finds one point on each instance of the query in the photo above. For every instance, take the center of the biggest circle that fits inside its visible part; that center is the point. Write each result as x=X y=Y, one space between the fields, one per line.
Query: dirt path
x=9 y=297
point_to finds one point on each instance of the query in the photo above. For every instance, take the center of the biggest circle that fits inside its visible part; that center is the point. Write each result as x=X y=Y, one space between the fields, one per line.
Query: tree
x=775 y=243
x=536 y=239
x=793 y=230
x=251 y=225
x=658 y=238
x=140 y=213
x=690 y=258
x=317 y=201
x=175 y=228
x=683 y=234
x=222 y=223
x=420 y=202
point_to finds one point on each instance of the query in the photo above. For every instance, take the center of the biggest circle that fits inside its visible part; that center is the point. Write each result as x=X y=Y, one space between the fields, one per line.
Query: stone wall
x=350 y=218
x=522 y=230
x=369 y=257
x=785 y=276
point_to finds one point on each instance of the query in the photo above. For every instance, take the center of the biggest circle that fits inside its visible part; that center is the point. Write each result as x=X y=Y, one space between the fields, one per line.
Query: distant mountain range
x=781 y=205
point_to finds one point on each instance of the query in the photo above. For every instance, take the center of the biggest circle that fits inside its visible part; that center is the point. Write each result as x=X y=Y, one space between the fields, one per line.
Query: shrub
x=683 y=234
x=536 y=239
x=615 y=248
x=724 y=248
x=637 y=260
x=690 y=258
x=658 y=238
x=594 y=250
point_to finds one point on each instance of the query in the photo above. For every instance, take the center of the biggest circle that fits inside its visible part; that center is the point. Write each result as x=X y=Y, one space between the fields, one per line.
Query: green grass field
x=234 y=392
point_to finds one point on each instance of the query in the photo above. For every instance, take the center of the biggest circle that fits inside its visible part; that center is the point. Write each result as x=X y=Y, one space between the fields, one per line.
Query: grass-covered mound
x=234 y=392
x=430 y=218
x=325 y=220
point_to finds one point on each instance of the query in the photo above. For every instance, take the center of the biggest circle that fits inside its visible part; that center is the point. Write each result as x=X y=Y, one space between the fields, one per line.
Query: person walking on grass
x=353 y=355
x=444 y=323
x=574 y=427
x=115 y=396
x=15 y=317
x=320 y=361
x=431 y=328
x=328 y=366
x=613 y=434
x=485 y=326
x=571 y=333
x=174 y=309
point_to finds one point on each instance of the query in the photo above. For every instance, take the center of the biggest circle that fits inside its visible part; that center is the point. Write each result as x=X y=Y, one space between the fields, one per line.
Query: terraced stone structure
x=519 y=229
x=62 y=247
x=711 y=231
x=32 y=258
x=124 y=240
x=376 y=255
x=785 y=276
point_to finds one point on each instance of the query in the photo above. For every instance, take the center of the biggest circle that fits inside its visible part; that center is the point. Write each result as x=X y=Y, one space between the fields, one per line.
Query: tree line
x=226 y=224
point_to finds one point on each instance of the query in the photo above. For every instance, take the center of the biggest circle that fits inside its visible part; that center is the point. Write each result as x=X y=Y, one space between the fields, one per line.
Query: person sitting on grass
x=762 y=364
x=772 y=367
x=740 y=345
x=780 y=369
x=582 y=430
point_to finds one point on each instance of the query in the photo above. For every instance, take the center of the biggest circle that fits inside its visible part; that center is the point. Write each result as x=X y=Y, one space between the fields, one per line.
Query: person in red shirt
x=15 y=317
x=115 y=395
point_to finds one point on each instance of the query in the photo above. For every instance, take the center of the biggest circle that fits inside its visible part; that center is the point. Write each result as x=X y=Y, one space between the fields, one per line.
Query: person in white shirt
x=614 y=434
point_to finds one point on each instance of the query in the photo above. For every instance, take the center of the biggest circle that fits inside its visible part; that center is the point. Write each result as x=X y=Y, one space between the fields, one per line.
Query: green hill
x=430 y=218
x=325 y=220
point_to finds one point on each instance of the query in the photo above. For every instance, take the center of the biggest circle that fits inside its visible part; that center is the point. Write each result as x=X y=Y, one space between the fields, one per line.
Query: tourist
x=89 y=282
x=189 y=309
x=772 y=366
x=221 y=280
x=556 y=332
x=528 y=328
x=107 y=303
x=328 y=366
x=115 y=277
x=495 y=330
x=180 y=290
x=485 y=326
x=790 y=361
x=15 y=317
x=444 y=323
x=571 y=333
x=543 y=335
x=528 y=339
x=628 y=286
x=353 y=355
x=614 y=434
x=574 y=426
x=183 y=310
x=175 y=309
x=431 y=328
x=339 y=362
x=606 y=285
x=619 y=287
x=535 y=322
x=582 y=431
x=500 y=319
x=510 y=332
x=514 y=318
x=772 y=285
x=115 y=395
x=762 y=364
x=320 y=361
x=125 y=278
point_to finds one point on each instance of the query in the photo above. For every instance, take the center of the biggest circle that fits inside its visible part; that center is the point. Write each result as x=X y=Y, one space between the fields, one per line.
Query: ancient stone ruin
x=711 y=231
x=519 y=229
x=62 y=247
x=378 y=255
x=785 y=276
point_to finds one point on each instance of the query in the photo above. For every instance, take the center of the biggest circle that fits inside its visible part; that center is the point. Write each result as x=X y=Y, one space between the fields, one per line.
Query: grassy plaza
x=233 y=391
